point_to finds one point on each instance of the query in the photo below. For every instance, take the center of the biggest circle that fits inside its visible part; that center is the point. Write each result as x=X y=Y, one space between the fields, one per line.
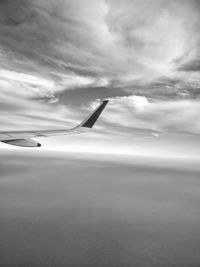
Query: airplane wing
x=23 y=138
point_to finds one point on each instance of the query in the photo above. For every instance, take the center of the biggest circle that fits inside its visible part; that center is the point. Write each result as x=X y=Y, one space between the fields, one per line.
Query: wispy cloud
x=136 y=112
x=127 y=42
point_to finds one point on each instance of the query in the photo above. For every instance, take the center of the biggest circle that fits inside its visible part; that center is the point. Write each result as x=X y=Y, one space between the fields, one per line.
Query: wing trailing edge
x=23 y=138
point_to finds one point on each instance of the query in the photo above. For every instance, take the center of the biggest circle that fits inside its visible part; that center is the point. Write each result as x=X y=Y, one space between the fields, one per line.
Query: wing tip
x=89 y=123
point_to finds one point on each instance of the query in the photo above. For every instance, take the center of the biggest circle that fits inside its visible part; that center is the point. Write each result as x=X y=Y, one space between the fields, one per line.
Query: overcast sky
x=58 y=58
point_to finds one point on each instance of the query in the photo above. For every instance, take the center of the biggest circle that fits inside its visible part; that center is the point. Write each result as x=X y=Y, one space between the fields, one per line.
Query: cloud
x=57 y=58
x=127 y=42
x=192 y=65
x=19 y=109
x=136 y=112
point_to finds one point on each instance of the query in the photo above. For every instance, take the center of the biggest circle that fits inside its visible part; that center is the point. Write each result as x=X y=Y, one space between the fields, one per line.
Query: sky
x=126 y=193
x=59 y=58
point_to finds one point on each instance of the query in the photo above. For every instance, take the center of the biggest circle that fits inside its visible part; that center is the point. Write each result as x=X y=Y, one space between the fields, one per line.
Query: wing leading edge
x=23 y=138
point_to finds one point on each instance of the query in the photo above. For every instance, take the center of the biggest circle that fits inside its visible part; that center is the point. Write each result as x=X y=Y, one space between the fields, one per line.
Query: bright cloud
x=159 y=116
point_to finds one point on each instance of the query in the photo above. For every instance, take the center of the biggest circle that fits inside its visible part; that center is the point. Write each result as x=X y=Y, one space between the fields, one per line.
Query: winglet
x=90 y=121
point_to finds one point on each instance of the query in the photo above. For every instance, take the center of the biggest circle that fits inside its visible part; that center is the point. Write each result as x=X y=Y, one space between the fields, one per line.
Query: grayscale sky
x=126 y=193
x=58 y=58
